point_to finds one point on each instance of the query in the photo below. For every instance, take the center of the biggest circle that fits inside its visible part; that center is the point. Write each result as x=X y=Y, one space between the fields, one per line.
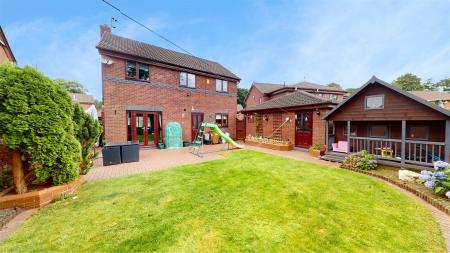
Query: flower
x=439 y=175
x=448 y=194
x=440 y=165
x=430 y=184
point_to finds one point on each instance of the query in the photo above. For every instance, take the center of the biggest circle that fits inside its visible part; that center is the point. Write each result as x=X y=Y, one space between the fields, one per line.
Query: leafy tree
x=71 y=86
x=36 y=124
x=445 y=83
x=428 y=84
x=351 y=90
x=241 y=94
x=408 y=82
x=98 y=104
x=335 y=85
x=87 y=132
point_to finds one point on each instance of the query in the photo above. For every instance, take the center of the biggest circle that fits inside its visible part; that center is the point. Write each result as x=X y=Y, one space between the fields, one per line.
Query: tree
x=351 y=90
x=87 y=132
x=335 y=85
x=71 y=86
x=98 y=104
x=428 y=84
x=241 y=94
x=36 y=124
x=408 y=82
x=445 y=83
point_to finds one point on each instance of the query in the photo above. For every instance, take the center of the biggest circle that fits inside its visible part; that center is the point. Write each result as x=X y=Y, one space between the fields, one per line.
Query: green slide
x=217 y=130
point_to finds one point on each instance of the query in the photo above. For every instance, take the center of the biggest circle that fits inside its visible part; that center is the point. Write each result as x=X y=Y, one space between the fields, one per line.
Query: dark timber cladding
x=380 y=105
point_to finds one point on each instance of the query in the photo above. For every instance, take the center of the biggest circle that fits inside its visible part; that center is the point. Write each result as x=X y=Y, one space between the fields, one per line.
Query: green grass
x=247 y=202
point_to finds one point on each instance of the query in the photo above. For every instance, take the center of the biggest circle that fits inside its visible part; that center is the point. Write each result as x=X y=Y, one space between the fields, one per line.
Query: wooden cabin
x=401 y=129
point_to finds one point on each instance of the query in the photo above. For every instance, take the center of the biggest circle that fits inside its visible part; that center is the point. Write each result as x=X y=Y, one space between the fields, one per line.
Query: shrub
x=316 y=147
x=87 y=132
x=439 y=180
x=36 y=119
x=361 y=160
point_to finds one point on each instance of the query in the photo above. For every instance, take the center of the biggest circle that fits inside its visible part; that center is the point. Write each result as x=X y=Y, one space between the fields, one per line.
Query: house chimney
x=104 y=28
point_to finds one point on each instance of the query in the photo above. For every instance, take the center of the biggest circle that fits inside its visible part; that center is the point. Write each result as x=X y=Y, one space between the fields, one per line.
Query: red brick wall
x=3 y=55
x=176 y=104
x=253 y=97
x=319 y=126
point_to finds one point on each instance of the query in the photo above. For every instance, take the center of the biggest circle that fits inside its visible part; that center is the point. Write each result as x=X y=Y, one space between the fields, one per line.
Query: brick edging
x=419 y=194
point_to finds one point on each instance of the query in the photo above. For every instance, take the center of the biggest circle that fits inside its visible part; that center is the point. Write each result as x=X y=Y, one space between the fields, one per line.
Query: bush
x=36 y=119
x=361 y=160
x=87 y=132
x=439 y=180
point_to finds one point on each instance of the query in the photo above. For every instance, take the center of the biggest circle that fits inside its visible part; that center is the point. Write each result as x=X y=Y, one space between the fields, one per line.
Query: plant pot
x=186 y=143
x=315 y=152
x=161 y=145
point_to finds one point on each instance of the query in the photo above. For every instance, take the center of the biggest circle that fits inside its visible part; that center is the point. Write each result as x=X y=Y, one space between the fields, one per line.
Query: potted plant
x=161 y=145
x=316 y=150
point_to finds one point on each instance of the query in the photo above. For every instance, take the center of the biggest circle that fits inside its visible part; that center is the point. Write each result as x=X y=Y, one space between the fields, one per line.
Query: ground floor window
x=222 y=119
x=417 y=132
x=379 y=131
x=353 y=131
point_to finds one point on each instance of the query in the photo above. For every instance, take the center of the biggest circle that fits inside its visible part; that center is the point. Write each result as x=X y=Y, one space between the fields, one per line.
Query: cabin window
x=221 y=85
x=131 y=69
x=374 y=102
x=417 y=132
x=187 y=79
x=379 y=131
x=222 y=119
x=331 y=128
x=353 y=131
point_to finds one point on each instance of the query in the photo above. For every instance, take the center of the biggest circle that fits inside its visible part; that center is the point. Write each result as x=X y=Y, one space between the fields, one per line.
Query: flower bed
x=269 y=143
x=39 y=198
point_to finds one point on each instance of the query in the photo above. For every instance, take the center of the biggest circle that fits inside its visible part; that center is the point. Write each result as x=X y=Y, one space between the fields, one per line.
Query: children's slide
x=217 y=130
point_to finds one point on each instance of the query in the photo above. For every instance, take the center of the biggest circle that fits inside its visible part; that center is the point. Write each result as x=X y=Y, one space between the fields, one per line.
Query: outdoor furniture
x=341 y=146
x=386 y=152
x=129 y=152
x=111 y=155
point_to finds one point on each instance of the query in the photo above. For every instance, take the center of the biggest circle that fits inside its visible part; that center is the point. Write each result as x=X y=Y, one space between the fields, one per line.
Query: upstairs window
x=221 y=85
x=131 y=70
x=374 y=102
x=187 y=79
x=138 y=71
x=144 y=73
x=222 y=119
x=260 y=100
x=333 y=96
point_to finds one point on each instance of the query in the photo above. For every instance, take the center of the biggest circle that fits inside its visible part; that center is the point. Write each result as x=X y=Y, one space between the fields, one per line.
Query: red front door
x=144 y=128
x=303 y=129
x=196 y=121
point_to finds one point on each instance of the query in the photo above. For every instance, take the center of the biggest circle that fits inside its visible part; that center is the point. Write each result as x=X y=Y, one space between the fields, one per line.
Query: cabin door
x=303 y=129
x=196 y=121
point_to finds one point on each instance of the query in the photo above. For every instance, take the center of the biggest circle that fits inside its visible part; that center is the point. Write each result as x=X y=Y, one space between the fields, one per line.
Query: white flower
x=448 y=194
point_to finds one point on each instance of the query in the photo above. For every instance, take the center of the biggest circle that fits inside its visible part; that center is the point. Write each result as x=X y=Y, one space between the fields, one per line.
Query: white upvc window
x=187 y=79
x=221 y=85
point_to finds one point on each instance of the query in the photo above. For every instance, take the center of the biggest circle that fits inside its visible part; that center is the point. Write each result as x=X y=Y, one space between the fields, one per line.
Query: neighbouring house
x=400 y=128
x=6 y=53
x=440 y=98
x=262 y=92
x=86 y=102
x=295 y=117
x=145 y=87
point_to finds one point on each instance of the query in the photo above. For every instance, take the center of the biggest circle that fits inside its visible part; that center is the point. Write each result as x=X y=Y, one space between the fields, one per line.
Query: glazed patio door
x=144 y=128
x=196 y=120
x=303 y=129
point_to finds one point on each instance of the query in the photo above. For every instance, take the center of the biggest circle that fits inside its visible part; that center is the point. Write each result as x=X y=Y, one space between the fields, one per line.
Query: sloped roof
x=4 y=43
x=131 y=47
x=272 y=87
x=298 y=98
x=373 y=80
x=82 y=98
x=308 y=85
x=267 y=87
x=432 y=95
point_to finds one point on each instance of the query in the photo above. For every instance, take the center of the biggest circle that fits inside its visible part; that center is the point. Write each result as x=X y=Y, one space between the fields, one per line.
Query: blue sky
x=267 y=41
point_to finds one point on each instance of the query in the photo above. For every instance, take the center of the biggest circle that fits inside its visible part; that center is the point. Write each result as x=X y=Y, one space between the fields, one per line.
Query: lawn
x=247 y=202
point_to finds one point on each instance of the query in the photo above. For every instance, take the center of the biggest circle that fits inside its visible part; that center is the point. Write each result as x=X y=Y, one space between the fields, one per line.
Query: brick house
x=290 y=112
x=6 y=53
x=145 y=87
x=440 y=98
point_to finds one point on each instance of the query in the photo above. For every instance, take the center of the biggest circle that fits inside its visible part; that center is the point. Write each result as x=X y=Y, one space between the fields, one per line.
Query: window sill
x=185 y=86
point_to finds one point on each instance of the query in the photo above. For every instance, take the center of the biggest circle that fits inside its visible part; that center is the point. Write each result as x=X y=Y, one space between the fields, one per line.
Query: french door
x=303 y=129
x=143 y=127
x=196 y=120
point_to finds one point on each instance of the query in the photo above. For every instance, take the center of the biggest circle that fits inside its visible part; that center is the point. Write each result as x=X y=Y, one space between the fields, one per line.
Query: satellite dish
x=106 y=60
